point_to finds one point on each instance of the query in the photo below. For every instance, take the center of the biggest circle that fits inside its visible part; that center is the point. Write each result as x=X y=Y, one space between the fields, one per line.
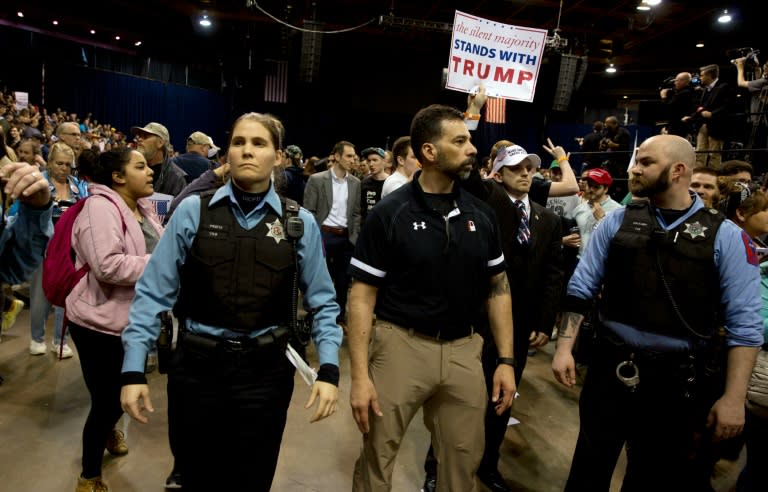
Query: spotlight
x=610 y=69
x=724 y=18
x=205 y=21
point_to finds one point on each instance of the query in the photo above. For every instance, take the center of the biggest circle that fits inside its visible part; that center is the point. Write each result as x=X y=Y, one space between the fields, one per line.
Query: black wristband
x=133 y=377
x=328 y=373
x=510 y=361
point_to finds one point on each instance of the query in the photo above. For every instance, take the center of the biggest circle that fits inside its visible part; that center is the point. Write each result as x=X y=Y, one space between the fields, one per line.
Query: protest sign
x=504 y=58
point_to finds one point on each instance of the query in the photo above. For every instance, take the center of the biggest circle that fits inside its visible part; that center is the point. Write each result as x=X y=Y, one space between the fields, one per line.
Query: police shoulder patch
x=749 y=249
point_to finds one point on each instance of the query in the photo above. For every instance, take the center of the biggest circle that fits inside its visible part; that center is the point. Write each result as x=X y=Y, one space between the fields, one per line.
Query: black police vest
x=643 y=258
x=235 y=278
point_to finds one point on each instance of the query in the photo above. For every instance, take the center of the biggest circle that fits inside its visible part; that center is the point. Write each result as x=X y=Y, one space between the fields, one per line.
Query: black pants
x=231 y=412
x=495 y=425
x=662 y=423
x=756 y=438
x=338 y=253
x=101 y=360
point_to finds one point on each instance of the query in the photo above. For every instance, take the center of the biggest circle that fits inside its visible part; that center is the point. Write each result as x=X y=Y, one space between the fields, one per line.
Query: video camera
x=669 y=82
x=749 y=55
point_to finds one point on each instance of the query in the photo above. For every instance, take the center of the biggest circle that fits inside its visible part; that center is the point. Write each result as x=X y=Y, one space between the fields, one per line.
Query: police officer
x=227 y=265
x=669 y=271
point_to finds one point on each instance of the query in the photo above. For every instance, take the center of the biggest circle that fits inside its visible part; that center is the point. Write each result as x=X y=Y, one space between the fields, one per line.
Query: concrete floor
x=44 y=402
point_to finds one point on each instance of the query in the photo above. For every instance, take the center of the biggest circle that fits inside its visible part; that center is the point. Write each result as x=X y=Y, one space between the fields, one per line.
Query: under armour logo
x=419 y=225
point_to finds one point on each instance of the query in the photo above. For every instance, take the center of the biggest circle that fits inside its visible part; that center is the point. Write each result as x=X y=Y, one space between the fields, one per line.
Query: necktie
x=523 y=233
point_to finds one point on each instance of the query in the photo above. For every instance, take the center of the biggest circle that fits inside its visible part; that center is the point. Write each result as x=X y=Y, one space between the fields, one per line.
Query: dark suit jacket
x=718 y=100
x=318 y=199
x=679 y=104
x=535 y=272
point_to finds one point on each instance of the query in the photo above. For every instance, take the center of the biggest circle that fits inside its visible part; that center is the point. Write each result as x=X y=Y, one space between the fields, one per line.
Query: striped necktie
x=523 y=232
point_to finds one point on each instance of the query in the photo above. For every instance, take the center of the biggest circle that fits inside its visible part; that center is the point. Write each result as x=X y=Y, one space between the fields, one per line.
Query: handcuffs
x=628 y=373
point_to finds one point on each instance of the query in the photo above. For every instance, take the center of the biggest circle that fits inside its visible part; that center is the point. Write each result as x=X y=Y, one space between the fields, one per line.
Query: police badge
x=275 y=230
x=695 y=230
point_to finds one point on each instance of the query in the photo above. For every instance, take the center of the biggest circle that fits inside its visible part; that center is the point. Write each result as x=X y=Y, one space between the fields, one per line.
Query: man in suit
x=333 y=197
x=713 y=116
x=678 y=103
x=530 y=240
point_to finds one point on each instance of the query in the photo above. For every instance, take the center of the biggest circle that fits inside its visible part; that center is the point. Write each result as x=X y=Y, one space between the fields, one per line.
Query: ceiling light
x=20 y=14
x=205 y=21
x=137 y=43
x=93 y=32
x=643 y=7
x=610 y=69
x=117 y=38
x=55 y=23
x=699 y=45
x=725 y=17
x=652 y=3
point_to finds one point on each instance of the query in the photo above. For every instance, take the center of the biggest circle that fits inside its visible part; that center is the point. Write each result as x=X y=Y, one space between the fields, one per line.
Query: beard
x=646 y=190
x=460 y=171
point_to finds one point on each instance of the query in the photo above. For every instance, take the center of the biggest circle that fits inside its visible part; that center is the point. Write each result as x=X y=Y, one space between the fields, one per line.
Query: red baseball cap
x=600 y=176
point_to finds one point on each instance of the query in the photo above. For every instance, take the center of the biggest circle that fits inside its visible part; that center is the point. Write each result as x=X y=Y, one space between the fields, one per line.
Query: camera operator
x=714 y=116
x=678 y=103
x=753 y=86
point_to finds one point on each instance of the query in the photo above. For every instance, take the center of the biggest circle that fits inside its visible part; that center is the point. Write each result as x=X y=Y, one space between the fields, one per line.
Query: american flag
x=496 y=110
x=276 y=81
x=161 y=208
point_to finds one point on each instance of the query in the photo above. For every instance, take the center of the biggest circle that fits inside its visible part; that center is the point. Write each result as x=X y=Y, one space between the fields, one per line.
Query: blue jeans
x=40 y=308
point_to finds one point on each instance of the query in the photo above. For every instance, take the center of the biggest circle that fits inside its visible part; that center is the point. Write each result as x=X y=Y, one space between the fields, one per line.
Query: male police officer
x=668 y=270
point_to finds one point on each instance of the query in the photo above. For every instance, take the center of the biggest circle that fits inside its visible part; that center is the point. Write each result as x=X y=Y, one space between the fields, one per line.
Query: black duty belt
x=276 y=338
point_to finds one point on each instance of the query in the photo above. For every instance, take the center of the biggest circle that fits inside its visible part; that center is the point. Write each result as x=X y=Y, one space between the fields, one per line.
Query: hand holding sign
x=504 y=58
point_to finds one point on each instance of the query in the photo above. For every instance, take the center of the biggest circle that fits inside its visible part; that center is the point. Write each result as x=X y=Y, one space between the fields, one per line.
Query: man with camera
x=754 y=87
x=713 y=116
x=678 y=103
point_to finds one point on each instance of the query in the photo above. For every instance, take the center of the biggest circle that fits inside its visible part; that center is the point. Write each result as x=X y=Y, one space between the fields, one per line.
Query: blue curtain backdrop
x=125 y=101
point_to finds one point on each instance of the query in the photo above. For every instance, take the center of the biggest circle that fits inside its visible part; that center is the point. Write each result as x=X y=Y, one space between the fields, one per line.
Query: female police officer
x=226 y=264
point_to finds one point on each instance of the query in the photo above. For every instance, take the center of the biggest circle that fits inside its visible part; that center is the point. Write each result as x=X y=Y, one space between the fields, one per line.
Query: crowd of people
x=444 y=273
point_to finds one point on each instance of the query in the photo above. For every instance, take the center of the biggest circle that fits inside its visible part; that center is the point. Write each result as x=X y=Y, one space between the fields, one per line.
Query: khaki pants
x=409 y=372
x=705 y=142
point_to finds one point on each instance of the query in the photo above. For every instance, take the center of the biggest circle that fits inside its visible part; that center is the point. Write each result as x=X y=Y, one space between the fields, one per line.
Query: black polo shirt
x=432 y=271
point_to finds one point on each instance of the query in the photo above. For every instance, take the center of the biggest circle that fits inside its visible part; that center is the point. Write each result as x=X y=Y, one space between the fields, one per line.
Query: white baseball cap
x=513 y=156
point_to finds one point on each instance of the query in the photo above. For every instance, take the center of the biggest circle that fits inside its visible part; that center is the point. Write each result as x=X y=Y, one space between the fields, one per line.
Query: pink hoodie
x=102 y=298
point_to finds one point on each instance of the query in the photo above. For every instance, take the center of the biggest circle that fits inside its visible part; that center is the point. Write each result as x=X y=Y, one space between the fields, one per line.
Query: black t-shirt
x=539 y=191
x=370 y=190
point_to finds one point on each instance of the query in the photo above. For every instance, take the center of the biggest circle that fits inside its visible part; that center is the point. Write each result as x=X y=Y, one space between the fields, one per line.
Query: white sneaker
x=66 y=351
x=37 y=348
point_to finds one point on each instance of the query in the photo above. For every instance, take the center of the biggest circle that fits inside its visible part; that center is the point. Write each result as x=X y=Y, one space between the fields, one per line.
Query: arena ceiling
x=646 y=47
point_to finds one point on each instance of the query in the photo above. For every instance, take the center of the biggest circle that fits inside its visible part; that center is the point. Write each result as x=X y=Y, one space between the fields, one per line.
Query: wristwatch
x=510 y=361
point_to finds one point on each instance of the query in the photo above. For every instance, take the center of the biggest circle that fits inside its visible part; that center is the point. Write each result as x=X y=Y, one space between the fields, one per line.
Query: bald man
x=663 y=379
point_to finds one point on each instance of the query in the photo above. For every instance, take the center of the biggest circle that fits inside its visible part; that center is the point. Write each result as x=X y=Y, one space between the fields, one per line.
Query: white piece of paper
x=306 y=372
x=513 y=420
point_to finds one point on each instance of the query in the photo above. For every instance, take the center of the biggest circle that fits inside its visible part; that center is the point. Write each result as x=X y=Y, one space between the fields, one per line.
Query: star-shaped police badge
x=275 y=230
x=695 y=230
